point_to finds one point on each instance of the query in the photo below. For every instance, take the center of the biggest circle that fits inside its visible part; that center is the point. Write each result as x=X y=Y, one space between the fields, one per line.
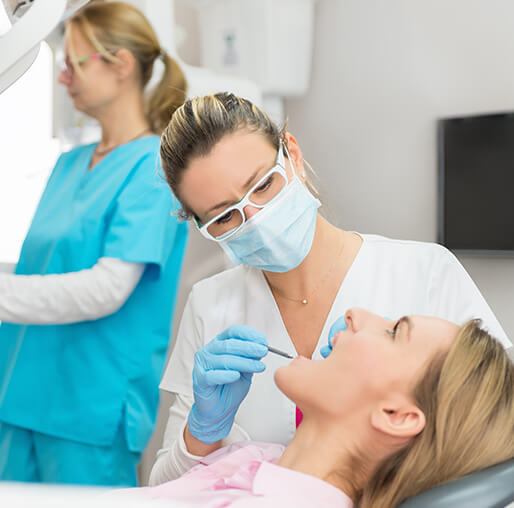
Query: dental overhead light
x=23 y=25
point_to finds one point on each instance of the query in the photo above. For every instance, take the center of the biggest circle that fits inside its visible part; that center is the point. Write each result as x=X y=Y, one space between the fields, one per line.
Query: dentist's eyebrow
x=247 y=185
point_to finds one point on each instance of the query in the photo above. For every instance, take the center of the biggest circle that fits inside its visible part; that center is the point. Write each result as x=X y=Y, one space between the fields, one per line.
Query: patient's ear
x=398 y=418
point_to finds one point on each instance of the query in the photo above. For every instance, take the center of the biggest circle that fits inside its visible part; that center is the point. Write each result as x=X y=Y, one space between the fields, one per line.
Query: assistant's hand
x=222 y=375
x=338 y=326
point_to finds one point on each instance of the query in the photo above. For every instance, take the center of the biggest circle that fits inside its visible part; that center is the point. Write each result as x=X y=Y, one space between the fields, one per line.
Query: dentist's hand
x=222 y=375
x=338 y=326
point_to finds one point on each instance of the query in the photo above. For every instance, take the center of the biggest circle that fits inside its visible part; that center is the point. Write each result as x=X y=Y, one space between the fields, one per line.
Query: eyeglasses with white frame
x=265 y=191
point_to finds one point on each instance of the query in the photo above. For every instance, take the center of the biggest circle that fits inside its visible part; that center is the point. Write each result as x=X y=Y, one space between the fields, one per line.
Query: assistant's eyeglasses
x=66 y=64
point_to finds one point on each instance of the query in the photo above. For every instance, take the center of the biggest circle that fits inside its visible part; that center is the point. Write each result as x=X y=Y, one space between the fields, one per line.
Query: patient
x=398 y=407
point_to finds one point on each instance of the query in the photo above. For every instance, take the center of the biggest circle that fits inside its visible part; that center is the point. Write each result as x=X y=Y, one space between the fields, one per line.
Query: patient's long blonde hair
x=467 y=396
x=110 y=26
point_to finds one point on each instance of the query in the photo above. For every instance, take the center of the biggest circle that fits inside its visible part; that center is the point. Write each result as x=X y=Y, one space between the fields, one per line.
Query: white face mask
x=278 y=237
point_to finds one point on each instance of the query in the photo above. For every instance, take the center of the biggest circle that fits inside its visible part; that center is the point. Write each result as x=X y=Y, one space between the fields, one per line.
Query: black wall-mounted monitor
x=476 y=184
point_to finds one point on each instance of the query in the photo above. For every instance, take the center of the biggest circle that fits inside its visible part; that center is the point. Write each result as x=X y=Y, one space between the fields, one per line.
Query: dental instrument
x=278 y=352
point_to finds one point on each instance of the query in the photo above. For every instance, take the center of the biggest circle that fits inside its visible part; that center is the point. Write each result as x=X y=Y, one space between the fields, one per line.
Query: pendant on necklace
x=304 y=301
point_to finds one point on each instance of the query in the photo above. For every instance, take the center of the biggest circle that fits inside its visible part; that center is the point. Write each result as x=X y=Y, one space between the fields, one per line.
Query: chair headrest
x=489 y=488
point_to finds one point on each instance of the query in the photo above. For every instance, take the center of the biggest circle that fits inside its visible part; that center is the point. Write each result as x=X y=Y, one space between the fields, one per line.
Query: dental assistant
x=86 y=316
x=244 y=183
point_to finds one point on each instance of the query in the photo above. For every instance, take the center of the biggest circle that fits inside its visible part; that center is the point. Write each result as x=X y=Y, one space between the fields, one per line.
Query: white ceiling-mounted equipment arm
x=19 y=46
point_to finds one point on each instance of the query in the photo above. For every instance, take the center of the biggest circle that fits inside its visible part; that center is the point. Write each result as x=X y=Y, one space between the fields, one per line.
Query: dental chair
x=490 y=488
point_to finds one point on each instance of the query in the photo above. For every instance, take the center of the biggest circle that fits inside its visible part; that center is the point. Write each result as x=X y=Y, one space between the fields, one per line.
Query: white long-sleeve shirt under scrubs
x=71 y=297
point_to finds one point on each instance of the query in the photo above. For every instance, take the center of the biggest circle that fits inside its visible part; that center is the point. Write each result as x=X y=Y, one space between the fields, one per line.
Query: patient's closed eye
x=393 y=332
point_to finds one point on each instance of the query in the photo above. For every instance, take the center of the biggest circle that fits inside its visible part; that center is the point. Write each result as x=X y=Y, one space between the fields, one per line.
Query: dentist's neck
x=301 y=280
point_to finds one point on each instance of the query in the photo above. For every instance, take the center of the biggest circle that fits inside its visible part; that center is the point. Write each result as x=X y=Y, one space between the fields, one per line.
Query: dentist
x=243 y=182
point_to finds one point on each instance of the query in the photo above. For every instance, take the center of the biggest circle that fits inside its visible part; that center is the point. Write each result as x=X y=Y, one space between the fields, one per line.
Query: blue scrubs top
x=78 y=381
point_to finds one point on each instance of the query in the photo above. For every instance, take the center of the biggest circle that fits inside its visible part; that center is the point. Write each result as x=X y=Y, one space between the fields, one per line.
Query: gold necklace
x=305 y=301
x=104 y=152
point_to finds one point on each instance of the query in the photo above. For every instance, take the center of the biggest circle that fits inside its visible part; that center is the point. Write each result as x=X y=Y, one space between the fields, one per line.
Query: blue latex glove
x=338 y=326
x=222 y=375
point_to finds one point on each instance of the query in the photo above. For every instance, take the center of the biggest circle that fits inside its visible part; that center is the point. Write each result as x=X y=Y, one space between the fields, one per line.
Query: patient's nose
x=357 y=319
x=351 y=319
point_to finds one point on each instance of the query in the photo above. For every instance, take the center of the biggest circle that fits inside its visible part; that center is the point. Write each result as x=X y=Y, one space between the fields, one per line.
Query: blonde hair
x=110 y=26
x=467 y=396
x=200 y=123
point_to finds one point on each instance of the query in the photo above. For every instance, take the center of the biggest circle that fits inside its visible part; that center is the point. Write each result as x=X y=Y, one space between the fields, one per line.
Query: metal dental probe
x=278 y=352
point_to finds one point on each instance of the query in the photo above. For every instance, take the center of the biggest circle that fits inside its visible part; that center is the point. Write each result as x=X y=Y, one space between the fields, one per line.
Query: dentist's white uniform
x=392 y=278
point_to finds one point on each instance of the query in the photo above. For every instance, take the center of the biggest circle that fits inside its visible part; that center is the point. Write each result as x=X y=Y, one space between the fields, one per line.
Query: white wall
x=383 y=72
x=28 y=151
